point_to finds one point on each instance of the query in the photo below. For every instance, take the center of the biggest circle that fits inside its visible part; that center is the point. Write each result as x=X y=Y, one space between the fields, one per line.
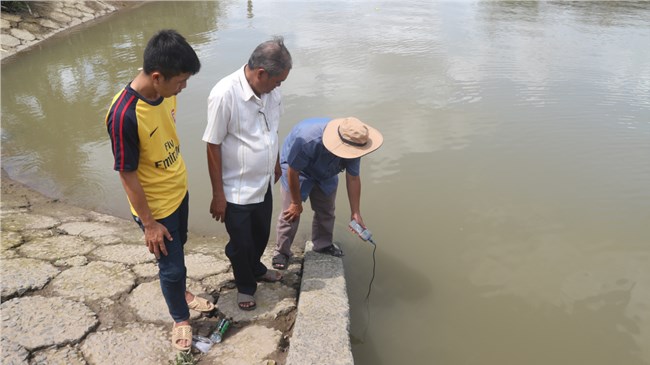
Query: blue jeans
x=171 y=268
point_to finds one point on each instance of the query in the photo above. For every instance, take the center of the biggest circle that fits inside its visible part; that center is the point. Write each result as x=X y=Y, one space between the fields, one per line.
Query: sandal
x=270 y=276
x=200 y=304
x=246 y=302
x=180 y=333
x=280 y=261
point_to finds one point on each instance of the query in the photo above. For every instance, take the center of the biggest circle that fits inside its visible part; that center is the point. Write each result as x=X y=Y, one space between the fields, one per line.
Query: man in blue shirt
x=313 y=154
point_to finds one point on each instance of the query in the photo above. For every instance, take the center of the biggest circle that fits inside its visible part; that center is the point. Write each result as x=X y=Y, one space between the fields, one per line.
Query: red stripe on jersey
x=126 y=107
x=113 y=131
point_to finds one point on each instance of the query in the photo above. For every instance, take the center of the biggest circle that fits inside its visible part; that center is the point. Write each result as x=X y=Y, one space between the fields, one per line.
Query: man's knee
x=173 y=274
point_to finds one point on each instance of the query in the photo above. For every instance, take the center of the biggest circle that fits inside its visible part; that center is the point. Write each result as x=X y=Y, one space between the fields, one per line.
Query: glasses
x=265 y=120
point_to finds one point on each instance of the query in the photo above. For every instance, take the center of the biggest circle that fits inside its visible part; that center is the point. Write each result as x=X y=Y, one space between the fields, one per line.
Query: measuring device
x=366 y=235
x=363 y=233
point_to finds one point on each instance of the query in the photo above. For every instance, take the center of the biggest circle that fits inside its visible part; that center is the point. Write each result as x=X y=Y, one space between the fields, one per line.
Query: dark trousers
x=171 y=268
x=249 y=227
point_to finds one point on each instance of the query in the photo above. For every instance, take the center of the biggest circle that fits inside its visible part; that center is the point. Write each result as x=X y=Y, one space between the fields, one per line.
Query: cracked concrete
x=83 y=289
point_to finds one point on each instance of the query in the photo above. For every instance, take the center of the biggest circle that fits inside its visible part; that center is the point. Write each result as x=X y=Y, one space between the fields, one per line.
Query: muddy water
x=510 y=202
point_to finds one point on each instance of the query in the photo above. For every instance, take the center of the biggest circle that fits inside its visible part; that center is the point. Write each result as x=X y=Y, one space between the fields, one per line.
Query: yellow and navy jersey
x=144 y=139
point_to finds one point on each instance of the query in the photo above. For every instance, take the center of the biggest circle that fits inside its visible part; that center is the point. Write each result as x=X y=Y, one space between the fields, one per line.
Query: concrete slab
x=142 y=344
x=68 y=355
x=20 y=275
x=125 y=253
x=94 y=281
x=149 y=304
x=56 y=246
x=10 y=240
x=200 y=266
x=13 y=353
x=101 y=233
x=321 y=331
x=23 y=221
x=244 y=347
x=72 y=261
x=272 y=300
x=36 y=322
x=148 y=270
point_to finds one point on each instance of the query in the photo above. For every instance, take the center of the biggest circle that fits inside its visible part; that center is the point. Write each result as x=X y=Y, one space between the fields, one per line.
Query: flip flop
x=246 y=302
x=200 y=304
x=280 y=261
x=270 y=276
x=180 y=333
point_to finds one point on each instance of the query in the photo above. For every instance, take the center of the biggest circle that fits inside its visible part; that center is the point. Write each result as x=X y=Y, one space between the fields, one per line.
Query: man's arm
x=218 y=204
x=353 y=184
x=295 y=208
x=154 y=232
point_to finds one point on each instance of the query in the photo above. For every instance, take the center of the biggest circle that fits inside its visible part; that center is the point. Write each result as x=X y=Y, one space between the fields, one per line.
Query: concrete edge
x=321 y=333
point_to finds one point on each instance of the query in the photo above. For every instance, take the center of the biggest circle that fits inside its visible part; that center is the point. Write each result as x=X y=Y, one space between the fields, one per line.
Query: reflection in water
x=66 y=97
x=509 y=201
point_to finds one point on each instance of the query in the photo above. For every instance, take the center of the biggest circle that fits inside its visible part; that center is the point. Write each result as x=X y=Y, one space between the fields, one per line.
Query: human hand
x=218 y=209
x=293 y=212
x=357 y=217
x=154 y=238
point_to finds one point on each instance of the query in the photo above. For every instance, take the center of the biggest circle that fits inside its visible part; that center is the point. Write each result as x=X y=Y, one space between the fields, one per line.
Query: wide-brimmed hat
x=351 y=138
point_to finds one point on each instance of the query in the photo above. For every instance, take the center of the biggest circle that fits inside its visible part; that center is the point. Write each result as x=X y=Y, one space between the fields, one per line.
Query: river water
x=510 y=202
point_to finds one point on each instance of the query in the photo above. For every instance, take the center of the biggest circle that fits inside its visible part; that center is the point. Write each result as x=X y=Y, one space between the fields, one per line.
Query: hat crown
x=350 y=138
x=353 y=130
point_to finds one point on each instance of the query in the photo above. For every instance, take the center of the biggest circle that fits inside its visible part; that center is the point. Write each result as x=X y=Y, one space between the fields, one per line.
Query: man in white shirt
x=244 y=111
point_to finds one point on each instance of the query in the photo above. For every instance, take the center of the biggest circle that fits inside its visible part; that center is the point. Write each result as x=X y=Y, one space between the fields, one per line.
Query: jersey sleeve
x=122 y=127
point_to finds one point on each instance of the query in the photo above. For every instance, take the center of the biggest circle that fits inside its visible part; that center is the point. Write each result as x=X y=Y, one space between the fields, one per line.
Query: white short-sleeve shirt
x=246 y=127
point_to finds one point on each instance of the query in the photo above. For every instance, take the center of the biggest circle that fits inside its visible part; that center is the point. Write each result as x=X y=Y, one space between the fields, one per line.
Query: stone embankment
x=44 y=19
x=78 y=287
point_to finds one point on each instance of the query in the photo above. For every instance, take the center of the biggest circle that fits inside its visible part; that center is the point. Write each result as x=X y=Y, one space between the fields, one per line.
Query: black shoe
x=331 y=250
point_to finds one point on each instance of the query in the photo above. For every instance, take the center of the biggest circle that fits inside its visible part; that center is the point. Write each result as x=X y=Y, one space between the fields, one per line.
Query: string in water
x=372 y=278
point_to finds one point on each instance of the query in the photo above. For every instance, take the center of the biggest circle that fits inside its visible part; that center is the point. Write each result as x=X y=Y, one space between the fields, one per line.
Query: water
x=509 y=203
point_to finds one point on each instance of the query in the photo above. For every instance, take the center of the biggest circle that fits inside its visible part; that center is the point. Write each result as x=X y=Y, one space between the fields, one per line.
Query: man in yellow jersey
x=242 y=145
x=141 y=123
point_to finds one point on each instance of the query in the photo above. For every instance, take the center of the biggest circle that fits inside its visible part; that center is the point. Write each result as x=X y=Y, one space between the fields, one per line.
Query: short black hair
x=169 y=53
x=273 y=56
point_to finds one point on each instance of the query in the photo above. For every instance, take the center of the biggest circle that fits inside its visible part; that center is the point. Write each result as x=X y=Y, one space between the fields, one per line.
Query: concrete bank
x=79 y=288
x=43 y=19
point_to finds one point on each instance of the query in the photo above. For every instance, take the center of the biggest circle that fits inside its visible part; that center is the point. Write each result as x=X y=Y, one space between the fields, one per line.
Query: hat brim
x=335 y=145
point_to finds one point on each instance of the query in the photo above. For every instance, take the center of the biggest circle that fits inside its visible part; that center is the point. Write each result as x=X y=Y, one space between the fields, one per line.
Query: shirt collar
x=247 y=91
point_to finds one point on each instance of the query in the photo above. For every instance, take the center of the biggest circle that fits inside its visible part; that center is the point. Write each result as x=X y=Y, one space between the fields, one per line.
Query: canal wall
x=44 y=19
x=316 y=327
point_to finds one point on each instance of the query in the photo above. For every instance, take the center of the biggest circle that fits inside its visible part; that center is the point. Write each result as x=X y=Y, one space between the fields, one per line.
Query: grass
x=184 y=358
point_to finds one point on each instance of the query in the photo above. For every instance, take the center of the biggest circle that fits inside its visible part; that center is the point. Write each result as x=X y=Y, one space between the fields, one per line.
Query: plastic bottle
x=201 y=343
x=217 y=335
